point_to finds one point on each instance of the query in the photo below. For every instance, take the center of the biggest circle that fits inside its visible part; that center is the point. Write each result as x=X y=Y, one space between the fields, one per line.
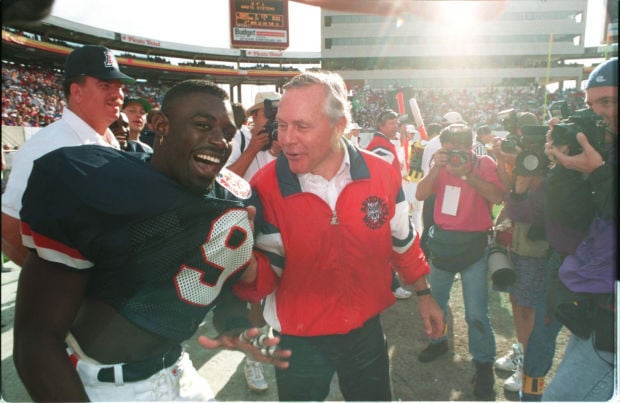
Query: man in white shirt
x=93 y=88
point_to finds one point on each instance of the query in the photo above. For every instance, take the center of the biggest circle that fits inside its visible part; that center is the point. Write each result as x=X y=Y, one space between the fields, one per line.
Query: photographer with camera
x=466 y=187
x=256 y=145
x=564 y=202
x=526 y=243
x=585 y=293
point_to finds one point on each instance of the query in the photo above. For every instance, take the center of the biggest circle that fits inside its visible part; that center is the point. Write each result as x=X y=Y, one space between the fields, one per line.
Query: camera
x=509 y=120
x=500 y=266
x=457 y=158
x=584 y=121
x=271 y=126
x=509 y=143
x=532 y=159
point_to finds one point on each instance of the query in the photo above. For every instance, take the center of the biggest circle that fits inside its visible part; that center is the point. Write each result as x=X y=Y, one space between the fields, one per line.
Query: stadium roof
x=60 y=28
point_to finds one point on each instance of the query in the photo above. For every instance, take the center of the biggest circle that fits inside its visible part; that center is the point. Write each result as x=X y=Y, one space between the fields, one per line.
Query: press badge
x=451 y=200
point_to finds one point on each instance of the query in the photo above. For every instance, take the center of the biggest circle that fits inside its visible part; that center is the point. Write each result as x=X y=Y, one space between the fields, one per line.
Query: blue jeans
x=538 y=356
x=476 y=298
x=585 y=374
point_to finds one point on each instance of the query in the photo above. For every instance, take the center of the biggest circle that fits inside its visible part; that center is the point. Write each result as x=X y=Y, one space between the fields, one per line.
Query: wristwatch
x=426 y=291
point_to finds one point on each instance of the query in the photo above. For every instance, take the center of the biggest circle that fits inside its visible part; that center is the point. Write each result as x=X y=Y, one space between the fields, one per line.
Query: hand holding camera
x=578 y=141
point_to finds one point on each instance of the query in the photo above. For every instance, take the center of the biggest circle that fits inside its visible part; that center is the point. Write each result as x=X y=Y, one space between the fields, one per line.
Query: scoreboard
x=259 y=24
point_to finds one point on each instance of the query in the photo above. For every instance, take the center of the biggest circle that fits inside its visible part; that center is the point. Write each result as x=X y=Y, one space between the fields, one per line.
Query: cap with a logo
x=141 y=101
x=259 y=101
x=95 y=61
x=452 y=117
x=604 y=75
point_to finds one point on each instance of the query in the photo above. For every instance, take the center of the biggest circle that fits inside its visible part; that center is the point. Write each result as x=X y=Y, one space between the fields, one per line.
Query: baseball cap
x=410 y=129
x=259 y=100
x=95 y=61
x=604 y=75
x=143 y=102
x=452 y=117
x=526 y=119
x=355 y=126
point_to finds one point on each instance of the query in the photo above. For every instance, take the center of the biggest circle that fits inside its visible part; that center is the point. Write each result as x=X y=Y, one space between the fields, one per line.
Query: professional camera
x=509 y=143
x=500 y=267
x=584 y=121
x=509 y=120
x=271 y=126
x=532 y=159
x=457 y=158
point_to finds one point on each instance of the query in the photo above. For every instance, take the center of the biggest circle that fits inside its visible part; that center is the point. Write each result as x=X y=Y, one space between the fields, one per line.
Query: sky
x=194 y=22
x=206 y=23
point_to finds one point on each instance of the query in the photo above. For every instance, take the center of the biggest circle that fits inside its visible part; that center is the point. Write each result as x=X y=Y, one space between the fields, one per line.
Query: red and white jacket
x=332 y=269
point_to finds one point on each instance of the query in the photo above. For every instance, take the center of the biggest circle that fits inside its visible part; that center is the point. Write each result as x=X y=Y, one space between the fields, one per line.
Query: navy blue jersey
x=157 y=253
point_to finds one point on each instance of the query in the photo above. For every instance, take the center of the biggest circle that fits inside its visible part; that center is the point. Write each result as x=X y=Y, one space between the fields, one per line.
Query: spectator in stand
x=93 y=89
x=383 y=144
x=466 y=187
x=136 y=110
x=350 y=195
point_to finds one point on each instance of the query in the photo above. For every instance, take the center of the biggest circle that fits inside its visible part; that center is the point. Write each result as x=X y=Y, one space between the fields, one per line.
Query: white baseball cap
x=259 y=100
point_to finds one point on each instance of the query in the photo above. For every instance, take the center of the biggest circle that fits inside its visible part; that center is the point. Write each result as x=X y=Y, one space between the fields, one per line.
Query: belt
x=140 y=370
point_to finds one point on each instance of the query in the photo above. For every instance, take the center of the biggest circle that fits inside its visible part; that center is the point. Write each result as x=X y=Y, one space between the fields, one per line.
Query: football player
x=129 y=257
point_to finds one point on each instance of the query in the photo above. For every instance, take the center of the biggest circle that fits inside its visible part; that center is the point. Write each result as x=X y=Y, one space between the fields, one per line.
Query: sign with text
x=259 y=24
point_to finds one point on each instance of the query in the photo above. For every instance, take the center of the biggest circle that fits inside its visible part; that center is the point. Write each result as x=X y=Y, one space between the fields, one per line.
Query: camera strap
x=242 y=147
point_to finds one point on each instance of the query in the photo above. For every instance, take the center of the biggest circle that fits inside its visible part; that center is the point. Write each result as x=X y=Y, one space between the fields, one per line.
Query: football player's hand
x=253 y=343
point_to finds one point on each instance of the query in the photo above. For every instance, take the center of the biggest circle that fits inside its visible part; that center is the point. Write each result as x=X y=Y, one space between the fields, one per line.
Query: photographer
x=527 y=244
x=466 y=187
x=253 y=146
x=587 y=276
x=566 y=225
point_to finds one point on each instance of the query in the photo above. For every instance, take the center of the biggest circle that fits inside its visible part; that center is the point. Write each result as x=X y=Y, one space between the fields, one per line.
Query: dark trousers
x=360 y=359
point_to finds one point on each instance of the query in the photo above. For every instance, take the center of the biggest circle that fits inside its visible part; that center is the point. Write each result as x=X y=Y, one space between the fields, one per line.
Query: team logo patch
x=110 y=60
x=375 y=212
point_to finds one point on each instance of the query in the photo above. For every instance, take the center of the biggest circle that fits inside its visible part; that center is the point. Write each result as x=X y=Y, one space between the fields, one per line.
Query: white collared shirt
x=328 y=190
x=69 y=131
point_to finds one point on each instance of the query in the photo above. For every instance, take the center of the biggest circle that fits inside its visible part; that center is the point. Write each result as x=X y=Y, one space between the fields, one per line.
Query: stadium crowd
x=32 y=96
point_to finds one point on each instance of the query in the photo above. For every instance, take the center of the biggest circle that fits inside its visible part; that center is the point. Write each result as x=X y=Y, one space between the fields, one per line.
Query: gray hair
x=337 y=103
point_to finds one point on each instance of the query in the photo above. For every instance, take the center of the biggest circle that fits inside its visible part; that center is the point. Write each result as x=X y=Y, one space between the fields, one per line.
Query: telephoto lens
x=501 y=270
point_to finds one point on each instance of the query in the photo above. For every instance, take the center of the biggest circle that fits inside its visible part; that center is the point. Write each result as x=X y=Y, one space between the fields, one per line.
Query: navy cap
x=94 y=61
x=604 y=75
